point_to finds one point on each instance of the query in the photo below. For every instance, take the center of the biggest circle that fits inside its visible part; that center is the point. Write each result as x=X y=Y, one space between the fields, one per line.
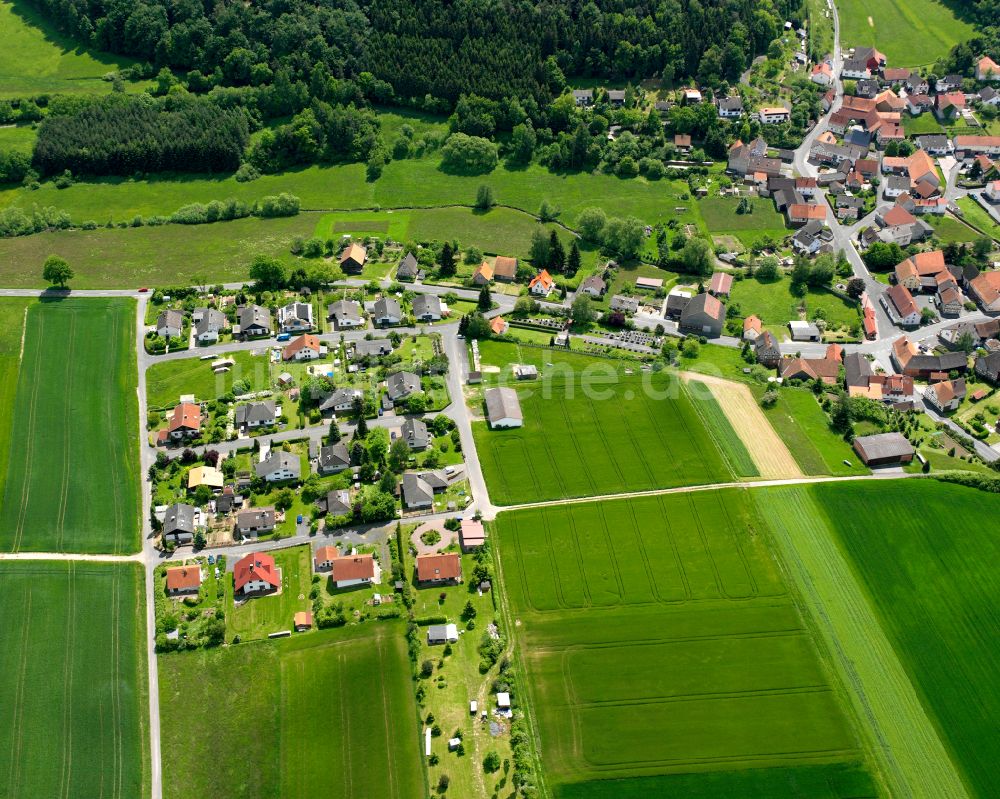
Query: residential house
x=427 y=308
x=179 y=523
x=988 y=367
x=616 y=97
x=704 y=315
x=340 y=400
x=345 y=314
x=296 y=317
x=895 y=185
x=306 y=347
x=987 y=69
x=900 y=305
x=985 y=291
x=822 y=74
x=256 y=573
x=948 y=83
x=499 y=326
x=989 y=96
x=774 y=115
x=444 y=567
x=417 y=492
x=909 y=360
x=583 y=97
x=730 y=107
x=721 y=284
x=812 y=237
x=920 y=271
x=370 y=348
x=883 y=449
x=857 y=370
x=849 y=207
x=504 y=269
x=855 y=69
x=443 y=634
x=205 y=476
x=252 y=522
x=915 y=84
x=352 y=259
x=503 y=409
x=682 y=142
x=916 y=104
x=414 y=433
x=471 y=535
x=256 y=415
x=691 y=96
x=170 y=324
x=625 y=304
x=866 y=87
x=752 y=328
x=975 y=145
x=279 y=466
x=336 y=503
x=894 y=76
x=185 y=421
x=934 y=143
x=766 y=349
x=254 y=321
x=408 y=268
x=386 y=312
x=401 y=385
x=949 y=105
x=807 y=187
x=208 y=324
x=947 y=395
x=483 y=274
x=183 y=579
x=333 y=459
x=801 y=213
x=347 y=570
x=992 y=191
x=949 y=299
x=594 y=285
x=542 y=284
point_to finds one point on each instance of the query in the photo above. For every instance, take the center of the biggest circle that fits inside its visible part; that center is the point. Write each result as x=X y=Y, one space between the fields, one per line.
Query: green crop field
x=167 y=380
x=721 y=219
x=75 y=431
x=775 y=304
x=36 y=59
x=910 y=33
x=329 y=713
x=926 y=554
x=659 y=638
x=260 y=616
x=73 y=702
x=591 y=430
x=722 y=431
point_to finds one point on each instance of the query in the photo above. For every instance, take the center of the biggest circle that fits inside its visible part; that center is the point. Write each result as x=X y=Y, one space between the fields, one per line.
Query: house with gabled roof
x=179 y=523
x=445 y=567
x=504 y=268
x=306 y=347
x=703 y=315
x=483 y=274
x=296 y=317
x=947 y=395
x=900 y=305
x=333 y=459
x=256 y=573
x=255 y=415
x=352 y=259
x=401 y=385
x=542 y=284
x=185 y=421
x=170 y=324
x=254 y=321
x=427 y=308
x=252 y=522
x=183 y=579
x=279 y=466
x=345 y=314
x=408 y=268
x=985 y=290
x=208 y=324
x=386 y=312
x=987 y=69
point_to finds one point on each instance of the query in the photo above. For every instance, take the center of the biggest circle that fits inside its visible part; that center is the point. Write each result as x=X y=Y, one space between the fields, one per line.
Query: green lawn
x=167 y=380
x=919 y=125
x=75 y=432
x=775 y=304
x=976 y=215
x=258 y=617
x=910 y=33
x=721 y=219
x=35 y=59
x=20 y=138
x=12 y=314
x=659 y=637
x=73 y=704
x=590 y=429
x=328 y=713
x=948 y=228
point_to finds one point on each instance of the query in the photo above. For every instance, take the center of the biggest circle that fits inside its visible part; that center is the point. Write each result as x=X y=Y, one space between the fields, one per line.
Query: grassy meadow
x=911 y=33
x=591 y=429
x=974 y=213
x=329 y=713
x=721 y=219
x=19 y=138
x=775 y=304
x=75 y=431
x=73 y=702
x=659 y=638
x=167 y=380
x=926 y=556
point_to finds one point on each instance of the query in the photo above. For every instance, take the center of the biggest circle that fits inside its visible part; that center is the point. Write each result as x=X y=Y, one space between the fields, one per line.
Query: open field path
x=911 y=756
x=768 y=451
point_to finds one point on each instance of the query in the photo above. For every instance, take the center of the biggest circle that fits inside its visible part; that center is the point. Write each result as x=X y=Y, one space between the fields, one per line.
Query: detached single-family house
x=401 y=385
x=178 y=523
x=346 y=570
x=627 y=305
x=251 y=522
x=183 y=579
x=583 y=97
x=822 y=74
x=256 y=414
x=801 y=213
x=340 y=400
x=170 y=324
x=542 y=284
x=306 y=347
x=616 y=97
x=504 y=268
x=333 y=459
x=296 y=317
x=256 y=573
x=985 y=290
x=483 y=274
x=883 y=449
x=427 y=308
x=418 y=494
x=254 y=321
x=774 y=115
x=440 y=568
x=730 y=107
x=442 y=634
x=752 y=327
x=345 y=314
x=594 y=286
x=386 y=312
x=703 y=315
x=370 y=348
x=408 y=268
x=414 y=433
x=336 y=503
x=767 y=350
x=279 y=466
x=503 y=409
x=205 y=476
x=947 y=395
x=352 y=259
x=900 y=305
x=208 y=324
x=987 y=69
x=185 y=421
x=988 y=367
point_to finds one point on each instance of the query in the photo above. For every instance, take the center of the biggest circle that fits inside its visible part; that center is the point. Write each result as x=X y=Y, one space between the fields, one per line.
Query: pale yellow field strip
x=768 y=451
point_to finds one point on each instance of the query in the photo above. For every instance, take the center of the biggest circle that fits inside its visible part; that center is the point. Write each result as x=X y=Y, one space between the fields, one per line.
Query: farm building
x=183 y=580
x=302 y=621
x=441 y=568
x=472 y=534
x=883 y=449
x=503 y=409
x=352 y=260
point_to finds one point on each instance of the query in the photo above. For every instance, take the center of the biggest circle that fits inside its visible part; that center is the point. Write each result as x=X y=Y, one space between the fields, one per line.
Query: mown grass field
x=12 y=313
x=948 y=228
x=775 y=304
x=167 y=380
x=659 y=638
x=973 y=212
x=35 y=59
x=258 y=617
x=721 y=219
x=329 y=713
x=20 y=138
x=592 y=430
x=926 y=554
x=75 y=431
x=73 y=702
x=910 y=33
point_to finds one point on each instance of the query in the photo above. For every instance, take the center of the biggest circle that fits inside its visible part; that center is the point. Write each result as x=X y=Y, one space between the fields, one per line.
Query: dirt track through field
x=767 y=450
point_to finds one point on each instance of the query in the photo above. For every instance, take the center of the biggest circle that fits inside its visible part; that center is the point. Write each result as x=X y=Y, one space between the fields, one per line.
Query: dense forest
x=405 y=50
x=122 y=134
